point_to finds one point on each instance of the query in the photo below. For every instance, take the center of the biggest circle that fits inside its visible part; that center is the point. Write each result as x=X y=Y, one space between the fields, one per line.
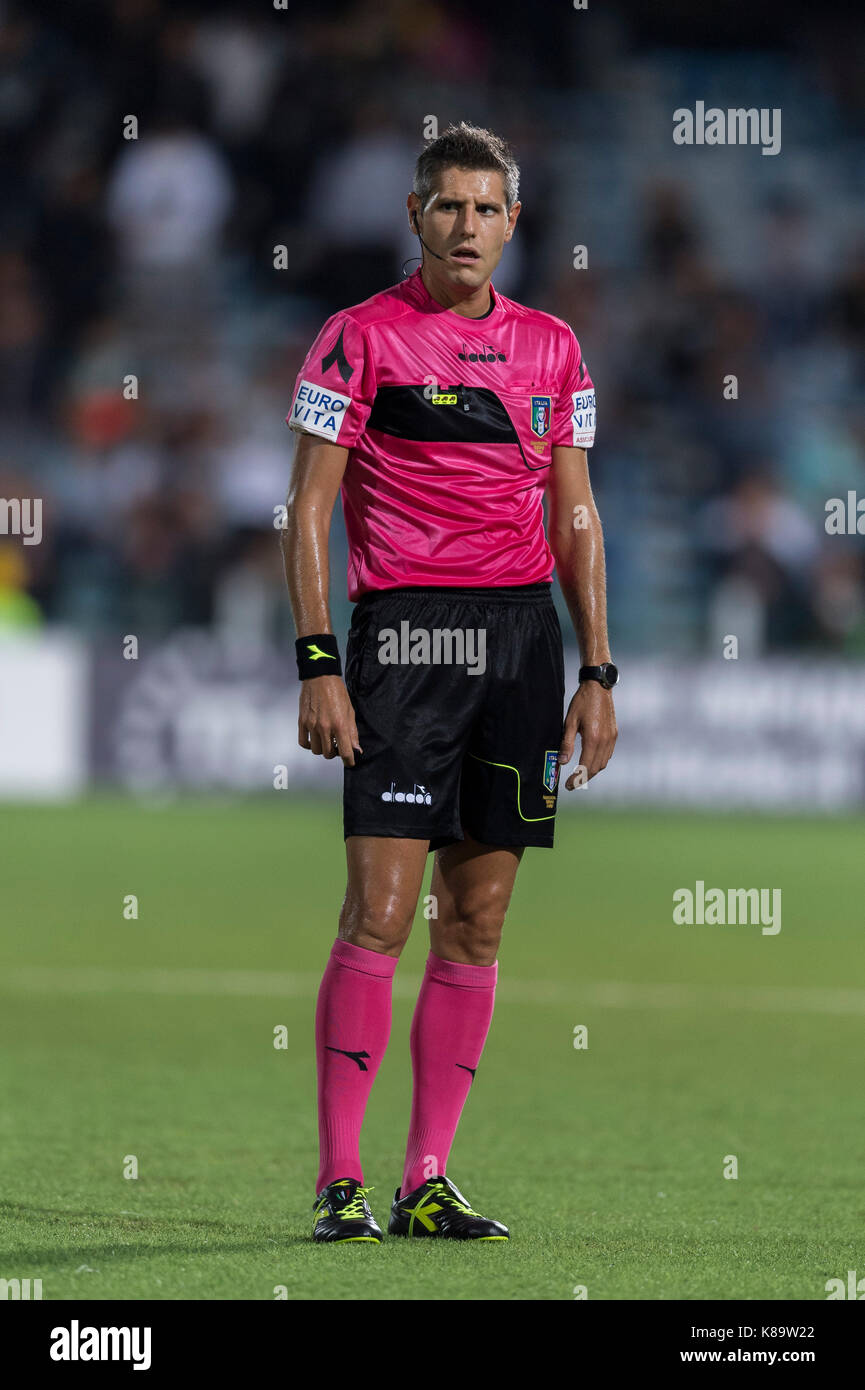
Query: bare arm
x=577 y=543
x=326 y=722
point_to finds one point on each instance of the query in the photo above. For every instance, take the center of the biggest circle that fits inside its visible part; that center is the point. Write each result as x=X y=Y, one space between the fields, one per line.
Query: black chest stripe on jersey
x=477 y=417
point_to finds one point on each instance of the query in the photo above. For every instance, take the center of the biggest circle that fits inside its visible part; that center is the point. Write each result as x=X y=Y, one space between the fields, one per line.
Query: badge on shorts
x=542 y=415
x=551 y=769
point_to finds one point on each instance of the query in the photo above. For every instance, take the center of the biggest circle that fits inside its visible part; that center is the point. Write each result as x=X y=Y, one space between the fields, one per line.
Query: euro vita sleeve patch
x=318 y=411
x=583 y=419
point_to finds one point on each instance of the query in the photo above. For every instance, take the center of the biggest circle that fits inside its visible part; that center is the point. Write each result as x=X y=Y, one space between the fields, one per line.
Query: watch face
x=611 y=673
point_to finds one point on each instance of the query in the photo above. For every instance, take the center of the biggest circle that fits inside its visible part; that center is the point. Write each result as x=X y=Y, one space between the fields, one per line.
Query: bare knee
x=472 y=934
x=378 y=924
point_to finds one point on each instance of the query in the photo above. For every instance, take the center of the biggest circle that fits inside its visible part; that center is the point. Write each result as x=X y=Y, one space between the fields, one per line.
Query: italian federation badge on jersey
x=551 y=769
x=542 y=415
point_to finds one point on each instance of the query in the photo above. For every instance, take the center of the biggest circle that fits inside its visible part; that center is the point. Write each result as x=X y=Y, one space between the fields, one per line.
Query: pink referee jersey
x=450 y=424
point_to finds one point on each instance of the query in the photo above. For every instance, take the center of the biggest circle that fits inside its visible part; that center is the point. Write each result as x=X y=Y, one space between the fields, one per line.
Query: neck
x=472 y=304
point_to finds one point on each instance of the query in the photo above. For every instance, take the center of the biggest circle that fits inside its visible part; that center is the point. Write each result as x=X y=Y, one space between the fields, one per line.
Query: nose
x=467 y=226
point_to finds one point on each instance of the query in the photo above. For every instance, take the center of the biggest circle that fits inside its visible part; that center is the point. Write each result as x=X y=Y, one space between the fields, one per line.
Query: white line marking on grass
x=271 y=984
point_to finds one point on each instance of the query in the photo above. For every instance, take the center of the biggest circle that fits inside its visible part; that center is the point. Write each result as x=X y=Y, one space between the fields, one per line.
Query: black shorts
x=466 y=737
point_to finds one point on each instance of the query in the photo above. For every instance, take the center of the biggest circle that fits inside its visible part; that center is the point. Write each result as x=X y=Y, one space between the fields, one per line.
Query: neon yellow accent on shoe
x=422 y=1212
x=519 y=807
x=318 y=1213
x=427 y=1206
x=353 y=1210
x=316 y=652
x=448 y=1196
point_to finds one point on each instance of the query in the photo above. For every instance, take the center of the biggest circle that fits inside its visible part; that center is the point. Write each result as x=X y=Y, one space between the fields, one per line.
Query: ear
x=512 y=220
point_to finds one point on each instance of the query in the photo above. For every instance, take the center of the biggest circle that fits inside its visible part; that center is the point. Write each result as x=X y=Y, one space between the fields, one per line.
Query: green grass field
x=154 y=1038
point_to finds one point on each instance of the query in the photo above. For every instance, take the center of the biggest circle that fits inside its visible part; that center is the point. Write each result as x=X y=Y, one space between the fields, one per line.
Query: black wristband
x=317 y=655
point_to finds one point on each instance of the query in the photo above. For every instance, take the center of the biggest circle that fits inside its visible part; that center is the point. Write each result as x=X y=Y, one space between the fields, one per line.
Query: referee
x=443 y=412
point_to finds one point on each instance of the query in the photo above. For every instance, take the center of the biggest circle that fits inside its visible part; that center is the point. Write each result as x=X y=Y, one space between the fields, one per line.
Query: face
x=467 y=223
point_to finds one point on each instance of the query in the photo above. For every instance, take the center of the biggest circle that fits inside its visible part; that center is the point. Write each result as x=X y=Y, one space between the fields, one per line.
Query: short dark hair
x=466 y=147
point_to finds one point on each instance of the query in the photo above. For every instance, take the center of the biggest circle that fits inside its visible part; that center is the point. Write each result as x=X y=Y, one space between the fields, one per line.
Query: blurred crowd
x=191 y=189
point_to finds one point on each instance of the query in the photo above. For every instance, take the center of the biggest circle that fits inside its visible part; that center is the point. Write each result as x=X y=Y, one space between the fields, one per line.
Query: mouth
x=465 y=255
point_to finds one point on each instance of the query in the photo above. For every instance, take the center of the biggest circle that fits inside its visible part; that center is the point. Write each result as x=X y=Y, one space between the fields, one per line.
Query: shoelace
x=447 y=1196
x=353 y=1210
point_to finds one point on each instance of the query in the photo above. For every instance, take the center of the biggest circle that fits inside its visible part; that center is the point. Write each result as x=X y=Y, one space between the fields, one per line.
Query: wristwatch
x=606 y=674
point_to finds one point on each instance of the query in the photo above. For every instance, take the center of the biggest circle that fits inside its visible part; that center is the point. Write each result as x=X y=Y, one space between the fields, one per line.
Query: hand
x=592 y=716
x=326 y=723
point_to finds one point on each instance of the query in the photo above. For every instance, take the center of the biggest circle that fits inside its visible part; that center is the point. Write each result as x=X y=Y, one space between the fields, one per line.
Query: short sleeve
x=574 y=413
x=335 y=387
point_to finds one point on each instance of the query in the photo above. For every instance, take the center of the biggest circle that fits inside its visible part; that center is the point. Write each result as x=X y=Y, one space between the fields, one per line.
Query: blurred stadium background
x=260 y=129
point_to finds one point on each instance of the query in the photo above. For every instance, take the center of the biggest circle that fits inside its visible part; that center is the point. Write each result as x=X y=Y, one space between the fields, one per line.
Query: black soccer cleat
x=341 y=1212
x=438 y=1208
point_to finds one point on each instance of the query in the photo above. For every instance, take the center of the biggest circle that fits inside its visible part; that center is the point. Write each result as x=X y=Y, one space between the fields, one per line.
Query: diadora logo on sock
x=354 y=1056
x=419 y=795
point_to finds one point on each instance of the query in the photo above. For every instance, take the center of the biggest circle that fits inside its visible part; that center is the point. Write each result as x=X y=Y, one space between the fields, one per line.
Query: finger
x=342 y=746
x=590 y=757
x=328 y=743
x=302 y=733
x=348 y=745
x=315 y=741
x=569 y=738
x=608 y=751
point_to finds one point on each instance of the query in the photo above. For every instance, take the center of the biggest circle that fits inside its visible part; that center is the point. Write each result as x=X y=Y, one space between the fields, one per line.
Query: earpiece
x=421 y=240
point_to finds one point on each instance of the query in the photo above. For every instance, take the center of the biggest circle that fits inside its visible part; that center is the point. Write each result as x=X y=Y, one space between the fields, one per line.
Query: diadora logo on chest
x=488 y=353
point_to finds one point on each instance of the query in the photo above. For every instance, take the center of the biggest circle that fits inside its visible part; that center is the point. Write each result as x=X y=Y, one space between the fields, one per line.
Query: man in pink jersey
x=443 y=412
